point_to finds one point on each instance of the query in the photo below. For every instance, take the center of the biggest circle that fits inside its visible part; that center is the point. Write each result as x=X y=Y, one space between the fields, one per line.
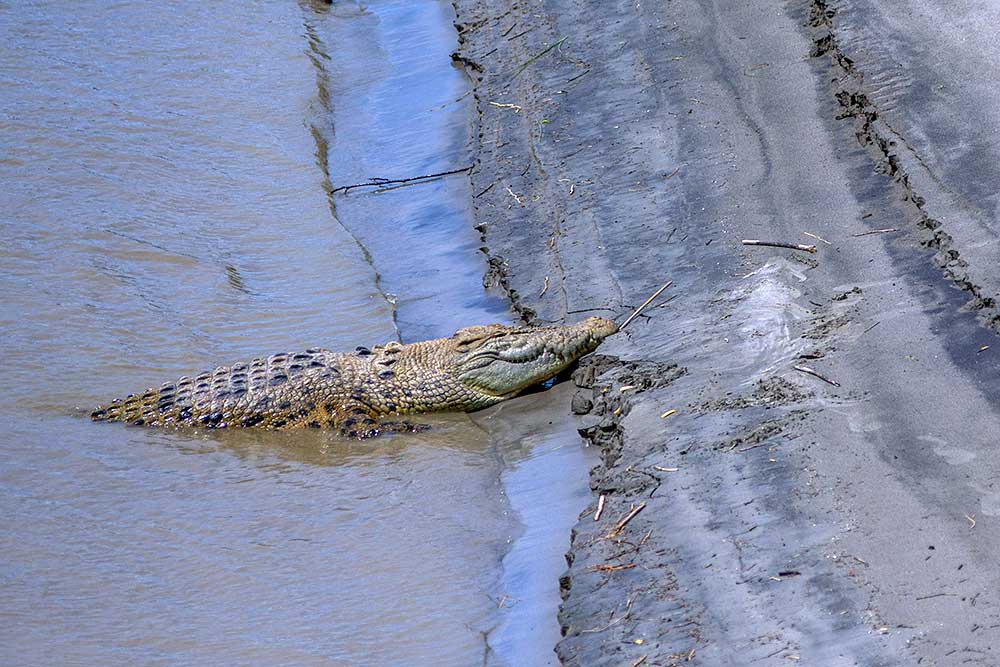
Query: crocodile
x=475 y=368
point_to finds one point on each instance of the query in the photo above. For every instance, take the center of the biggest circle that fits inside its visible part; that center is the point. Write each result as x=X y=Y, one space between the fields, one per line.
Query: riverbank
x=784 y=517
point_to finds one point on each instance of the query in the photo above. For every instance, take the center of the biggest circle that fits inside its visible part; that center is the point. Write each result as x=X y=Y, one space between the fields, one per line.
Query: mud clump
x=768 y=393
x=843 y=296
x=607 y=386
x=826 y=325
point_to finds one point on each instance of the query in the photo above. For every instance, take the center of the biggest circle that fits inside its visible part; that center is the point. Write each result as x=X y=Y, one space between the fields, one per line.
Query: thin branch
x=644 y=304
x=779 y=244
x=379 y=182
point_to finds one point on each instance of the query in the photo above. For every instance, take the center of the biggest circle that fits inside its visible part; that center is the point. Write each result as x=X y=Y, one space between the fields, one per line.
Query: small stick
x=628 y=517
x=779 y=244
x=877 y=231
x=379 y=182
x=545 y=287
x=809 y=371
x=662 y=469
x=645 y=303
x=638 y=662
x=872 y=327
x=600 y=508
x=484 y=190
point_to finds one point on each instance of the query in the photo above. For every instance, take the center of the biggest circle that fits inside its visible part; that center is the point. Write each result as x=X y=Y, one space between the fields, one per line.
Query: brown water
x=164 y=205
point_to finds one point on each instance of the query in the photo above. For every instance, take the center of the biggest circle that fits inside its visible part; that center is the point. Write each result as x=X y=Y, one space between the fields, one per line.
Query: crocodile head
x=501 y=361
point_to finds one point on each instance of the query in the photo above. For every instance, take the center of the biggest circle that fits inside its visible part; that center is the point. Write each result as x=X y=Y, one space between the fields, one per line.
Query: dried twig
x=628 y=517
x=545 y=287
x=809 y=371
x=644 y=304
x=600 y=507
x=379 y=182
x=779 y=244
x=877 y=231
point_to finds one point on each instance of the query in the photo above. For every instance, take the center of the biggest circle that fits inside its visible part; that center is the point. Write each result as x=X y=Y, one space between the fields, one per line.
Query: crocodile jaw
x=514 y=359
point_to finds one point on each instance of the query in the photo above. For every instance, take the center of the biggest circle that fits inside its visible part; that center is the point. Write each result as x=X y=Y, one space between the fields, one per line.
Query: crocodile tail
x=205 y=399
x=173 y=402
x=239 y=393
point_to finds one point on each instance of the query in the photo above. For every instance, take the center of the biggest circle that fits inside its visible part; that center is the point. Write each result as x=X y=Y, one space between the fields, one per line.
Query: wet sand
x=785 y=519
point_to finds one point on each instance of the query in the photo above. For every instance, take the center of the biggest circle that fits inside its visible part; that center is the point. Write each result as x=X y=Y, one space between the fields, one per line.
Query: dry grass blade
x=536 y=57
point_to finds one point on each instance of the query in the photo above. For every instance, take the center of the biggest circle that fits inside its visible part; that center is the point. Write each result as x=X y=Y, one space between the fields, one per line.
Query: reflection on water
x=545 y=480
x=165 y=209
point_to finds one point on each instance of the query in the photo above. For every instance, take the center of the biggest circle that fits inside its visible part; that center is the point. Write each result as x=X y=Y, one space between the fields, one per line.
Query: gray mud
x=785 y=520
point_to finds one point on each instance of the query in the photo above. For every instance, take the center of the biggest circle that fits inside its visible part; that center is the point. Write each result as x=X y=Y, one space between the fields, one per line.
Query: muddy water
x=166 y=207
